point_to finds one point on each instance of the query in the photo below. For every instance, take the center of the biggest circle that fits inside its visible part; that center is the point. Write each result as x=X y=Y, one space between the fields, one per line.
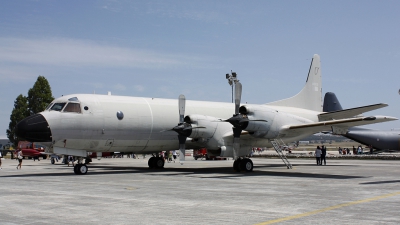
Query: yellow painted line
x=130 y=188
x=329 y=208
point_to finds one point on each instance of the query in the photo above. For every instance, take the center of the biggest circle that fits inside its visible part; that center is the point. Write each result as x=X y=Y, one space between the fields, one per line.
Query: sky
x=166 y=48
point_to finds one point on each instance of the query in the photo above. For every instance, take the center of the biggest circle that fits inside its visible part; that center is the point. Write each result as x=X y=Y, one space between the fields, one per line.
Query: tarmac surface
x=126 y=191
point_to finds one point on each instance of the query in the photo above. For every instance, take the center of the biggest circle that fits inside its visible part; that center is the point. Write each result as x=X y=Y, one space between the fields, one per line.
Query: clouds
x=68 y=52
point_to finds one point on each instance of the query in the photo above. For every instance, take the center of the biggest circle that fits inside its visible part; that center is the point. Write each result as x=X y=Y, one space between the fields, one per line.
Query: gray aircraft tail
x=331 y=103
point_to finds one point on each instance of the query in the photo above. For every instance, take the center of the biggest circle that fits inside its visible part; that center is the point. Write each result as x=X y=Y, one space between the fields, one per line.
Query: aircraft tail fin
x=310 y=96
x=331 y=103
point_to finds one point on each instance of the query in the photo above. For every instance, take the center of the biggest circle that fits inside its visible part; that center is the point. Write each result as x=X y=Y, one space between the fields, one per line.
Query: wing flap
x=347 y=113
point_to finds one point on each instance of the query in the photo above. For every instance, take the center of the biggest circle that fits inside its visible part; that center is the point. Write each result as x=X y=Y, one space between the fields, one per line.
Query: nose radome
x=34 y=129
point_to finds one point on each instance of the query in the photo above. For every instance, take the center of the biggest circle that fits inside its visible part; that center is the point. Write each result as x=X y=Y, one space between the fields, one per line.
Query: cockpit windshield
x=58 y=106
x=73 y=107
x=48 y=106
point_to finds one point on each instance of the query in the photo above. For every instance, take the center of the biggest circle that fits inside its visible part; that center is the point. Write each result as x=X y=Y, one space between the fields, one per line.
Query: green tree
x=39 y=96
x=19 y=112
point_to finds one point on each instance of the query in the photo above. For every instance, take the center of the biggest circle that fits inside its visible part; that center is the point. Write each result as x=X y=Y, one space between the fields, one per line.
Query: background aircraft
x=80 y=123
x=378 y=139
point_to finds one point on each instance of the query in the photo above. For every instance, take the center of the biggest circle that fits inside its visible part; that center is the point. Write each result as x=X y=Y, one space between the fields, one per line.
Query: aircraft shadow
x=382 y=182
x=209 y=172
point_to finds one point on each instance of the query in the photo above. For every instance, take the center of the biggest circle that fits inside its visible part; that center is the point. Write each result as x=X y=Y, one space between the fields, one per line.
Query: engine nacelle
x=260 y=118
x=203 y=127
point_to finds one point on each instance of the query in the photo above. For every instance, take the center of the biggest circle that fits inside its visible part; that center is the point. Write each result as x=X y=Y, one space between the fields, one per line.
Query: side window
x=73 y=107
x=58 y=106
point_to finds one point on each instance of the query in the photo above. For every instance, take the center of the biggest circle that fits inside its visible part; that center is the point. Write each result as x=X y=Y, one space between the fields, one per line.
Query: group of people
x=320 y=155
x=169 y=155
x=344 y=151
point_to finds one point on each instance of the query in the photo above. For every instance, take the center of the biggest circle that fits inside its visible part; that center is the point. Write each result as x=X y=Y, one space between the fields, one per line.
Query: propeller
x=237 y=120
x=184 y=129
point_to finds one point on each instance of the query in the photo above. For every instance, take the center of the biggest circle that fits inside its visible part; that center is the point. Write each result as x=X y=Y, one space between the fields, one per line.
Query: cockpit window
x=73 y=107
x=58 y=106
x=74 y=99
x=48 y=107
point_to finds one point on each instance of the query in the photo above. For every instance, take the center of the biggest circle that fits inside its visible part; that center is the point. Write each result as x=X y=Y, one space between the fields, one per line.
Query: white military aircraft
x=80 y=123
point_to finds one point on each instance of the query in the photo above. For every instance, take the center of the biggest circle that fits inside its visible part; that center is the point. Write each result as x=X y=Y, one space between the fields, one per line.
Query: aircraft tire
x=151 y=162
x=83 y=169
x=236 y=165
x=246 y=165
x=159 y=162
x=77 y=169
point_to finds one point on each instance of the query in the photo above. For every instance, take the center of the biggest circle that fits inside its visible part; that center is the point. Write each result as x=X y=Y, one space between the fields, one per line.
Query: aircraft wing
x=339 y=125
x=347 y=113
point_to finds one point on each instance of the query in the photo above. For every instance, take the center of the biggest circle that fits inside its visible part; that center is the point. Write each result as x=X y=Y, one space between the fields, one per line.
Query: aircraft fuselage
x=106 y=123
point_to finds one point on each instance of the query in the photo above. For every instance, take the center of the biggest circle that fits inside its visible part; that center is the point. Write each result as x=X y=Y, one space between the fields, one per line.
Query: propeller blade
x=236 y=142
x=238 y=96
x=182 y=103
x=182 y=148
x=236 y=147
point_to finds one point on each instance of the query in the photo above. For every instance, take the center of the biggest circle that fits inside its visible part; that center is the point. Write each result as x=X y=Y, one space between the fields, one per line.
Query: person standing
x=318 y=153
x=20 y=157
x=174 y=155
x=1 y=158
x=323 y=155
x=169 y=156
x=359 y=150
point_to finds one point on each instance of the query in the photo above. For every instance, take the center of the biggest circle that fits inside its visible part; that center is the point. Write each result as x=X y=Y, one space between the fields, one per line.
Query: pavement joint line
x=328 y=209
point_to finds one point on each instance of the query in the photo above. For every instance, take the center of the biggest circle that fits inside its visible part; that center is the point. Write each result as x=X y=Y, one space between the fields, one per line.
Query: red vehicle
x=30 y=150
x=202 y=154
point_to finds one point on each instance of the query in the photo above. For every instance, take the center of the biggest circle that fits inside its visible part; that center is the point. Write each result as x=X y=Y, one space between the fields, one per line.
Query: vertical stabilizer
x=331 y=103
x=310 y=96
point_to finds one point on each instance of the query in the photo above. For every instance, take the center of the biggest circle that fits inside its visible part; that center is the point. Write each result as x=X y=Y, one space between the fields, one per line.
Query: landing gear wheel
x=83 y=169
x=236 y=164
x=80 y=169
x=77 y=168
x=246 y=165
x=159 y=162
x=151 y=162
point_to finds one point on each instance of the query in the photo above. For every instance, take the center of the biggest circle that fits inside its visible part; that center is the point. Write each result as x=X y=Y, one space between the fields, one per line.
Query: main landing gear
x=80 y=169
x=243 y=164
x=156 y=162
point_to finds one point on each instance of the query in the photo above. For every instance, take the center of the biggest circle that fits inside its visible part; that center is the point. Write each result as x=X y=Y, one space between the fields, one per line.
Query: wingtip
x=387 y=118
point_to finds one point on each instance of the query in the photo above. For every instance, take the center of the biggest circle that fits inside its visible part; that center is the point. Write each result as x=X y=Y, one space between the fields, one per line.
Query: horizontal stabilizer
x=347 y=113
x=294 y=130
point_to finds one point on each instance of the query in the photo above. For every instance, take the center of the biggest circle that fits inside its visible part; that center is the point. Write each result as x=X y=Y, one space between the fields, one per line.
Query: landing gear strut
x=156 y=162
x=243 y=164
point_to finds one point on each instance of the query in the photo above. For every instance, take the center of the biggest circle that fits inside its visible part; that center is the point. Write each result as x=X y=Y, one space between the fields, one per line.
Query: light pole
x=232 y=79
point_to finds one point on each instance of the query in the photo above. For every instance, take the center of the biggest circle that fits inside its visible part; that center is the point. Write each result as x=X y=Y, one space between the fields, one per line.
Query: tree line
x=39 y=96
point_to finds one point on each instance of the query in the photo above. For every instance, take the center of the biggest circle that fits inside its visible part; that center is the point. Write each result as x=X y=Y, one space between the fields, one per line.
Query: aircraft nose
x=34 y=129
